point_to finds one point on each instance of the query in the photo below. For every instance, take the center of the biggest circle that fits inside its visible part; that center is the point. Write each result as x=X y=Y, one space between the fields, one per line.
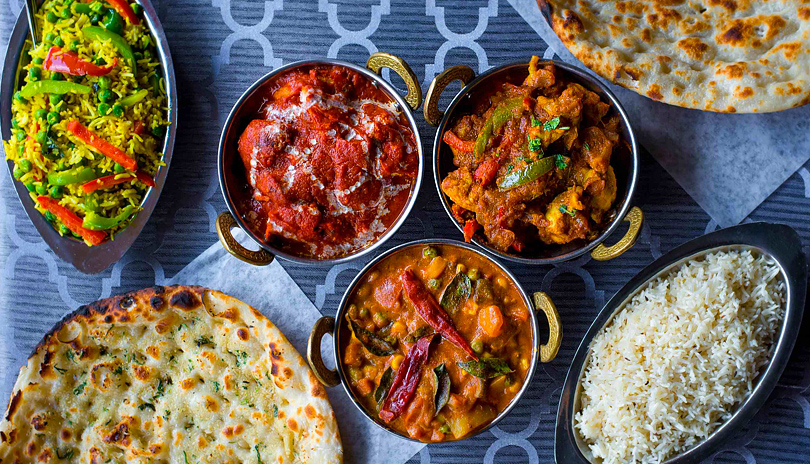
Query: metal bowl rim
x=343 y=305
x=403 y=215
x=77 y=253
x=632 y=178
x=779 y=242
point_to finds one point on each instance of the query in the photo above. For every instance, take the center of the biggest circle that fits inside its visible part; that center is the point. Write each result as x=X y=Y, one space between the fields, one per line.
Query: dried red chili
x=428 y=309
x=406 y=380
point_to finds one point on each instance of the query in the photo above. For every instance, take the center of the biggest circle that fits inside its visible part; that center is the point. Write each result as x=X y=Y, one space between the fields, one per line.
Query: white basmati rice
x=671 y=366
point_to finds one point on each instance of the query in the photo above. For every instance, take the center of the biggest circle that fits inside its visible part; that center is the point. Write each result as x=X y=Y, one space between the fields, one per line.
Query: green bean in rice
x=126 y=107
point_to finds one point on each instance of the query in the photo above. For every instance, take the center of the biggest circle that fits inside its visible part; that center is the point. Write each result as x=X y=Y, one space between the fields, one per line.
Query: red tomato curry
x=331 y=162
x=436 y=342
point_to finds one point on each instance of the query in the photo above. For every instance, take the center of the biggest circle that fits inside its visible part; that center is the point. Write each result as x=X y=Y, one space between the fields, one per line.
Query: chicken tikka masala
x=534 y=163
x=331 y=162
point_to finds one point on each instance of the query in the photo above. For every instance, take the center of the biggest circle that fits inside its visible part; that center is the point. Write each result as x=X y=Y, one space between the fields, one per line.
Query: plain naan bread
x=741 y=56
x=175 y=374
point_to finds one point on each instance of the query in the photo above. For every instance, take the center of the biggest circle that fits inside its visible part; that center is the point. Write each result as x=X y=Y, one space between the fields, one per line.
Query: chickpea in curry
x=534 y=163
x=436 y=342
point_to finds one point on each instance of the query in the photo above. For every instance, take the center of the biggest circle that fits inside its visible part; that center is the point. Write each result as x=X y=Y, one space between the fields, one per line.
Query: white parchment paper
x=272 y=291
x=728 y=163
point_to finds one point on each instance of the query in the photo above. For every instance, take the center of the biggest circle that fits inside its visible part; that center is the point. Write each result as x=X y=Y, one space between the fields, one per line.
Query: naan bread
x=176 y=374
x=743 y=56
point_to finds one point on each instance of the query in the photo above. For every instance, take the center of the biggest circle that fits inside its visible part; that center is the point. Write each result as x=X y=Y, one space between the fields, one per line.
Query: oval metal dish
x=781 y=243
x=90 y=260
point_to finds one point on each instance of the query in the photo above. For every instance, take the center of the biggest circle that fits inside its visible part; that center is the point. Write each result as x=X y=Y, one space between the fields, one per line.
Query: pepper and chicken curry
x=436 y=342
x=534 y=163
x=330 y=163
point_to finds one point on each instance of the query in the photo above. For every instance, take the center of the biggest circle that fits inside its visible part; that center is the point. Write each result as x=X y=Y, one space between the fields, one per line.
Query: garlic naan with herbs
x=168 y=374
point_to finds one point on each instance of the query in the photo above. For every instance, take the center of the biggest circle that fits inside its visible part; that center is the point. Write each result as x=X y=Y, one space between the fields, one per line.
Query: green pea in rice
x=61 y=151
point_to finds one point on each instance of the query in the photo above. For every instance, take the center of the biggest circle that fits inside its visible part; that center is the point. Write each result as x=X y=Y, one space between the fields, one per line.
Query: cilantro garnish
x=79 y=389
x=535 y=122
x=146 y=406
x=203 y=340
x=535 y=145
x=571 y=212
x=560 y=162
x=586 y=146
x=551 y=124
x=258 y=456
x=241 y=357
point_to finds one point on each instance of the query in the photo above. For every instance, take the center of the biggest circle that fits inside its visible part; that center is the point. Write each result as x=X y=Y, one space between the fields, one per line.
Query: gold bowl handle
x=636 y=218
x=455 y=73
x=226 y=222
x=380 y=60
x=549 y=351
x=325 y=375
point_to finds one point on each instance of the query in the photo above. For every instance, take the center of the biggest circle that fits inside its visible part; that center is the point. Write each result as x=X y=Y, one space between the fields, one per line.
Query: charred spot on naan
x=185 y=300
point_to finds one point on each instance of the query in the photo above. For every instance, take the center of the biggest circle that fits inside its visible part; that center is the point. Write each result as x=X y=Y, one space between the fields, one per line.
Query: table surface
x=220 y=47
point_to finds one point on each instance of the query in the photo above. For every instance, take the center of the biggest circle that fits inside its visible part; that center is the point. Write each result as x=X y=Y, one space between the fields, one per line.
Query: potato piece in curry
x=534 y=163
x=437 y=342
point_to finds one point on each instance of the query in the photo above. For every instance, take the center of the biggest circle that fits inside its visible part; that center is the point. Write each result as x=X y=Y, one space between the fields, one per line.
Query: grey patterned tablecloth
x=222 y=46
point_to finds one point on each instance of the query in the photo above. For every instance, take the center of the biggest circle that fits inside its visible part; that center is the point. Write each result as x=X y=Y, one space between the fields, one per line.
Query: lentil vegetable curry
x=331 y=163
x=534 y=163
x=437 y=342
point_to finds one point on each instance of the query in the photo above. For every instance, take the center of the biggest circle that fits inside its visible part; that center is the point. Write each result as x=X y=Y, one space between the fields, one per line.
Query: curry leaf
x=442 y=382
x=486 y=368
x=371 y=341
x=414 y=336
x=483 y=291
x=385 y=384
x=456 y=293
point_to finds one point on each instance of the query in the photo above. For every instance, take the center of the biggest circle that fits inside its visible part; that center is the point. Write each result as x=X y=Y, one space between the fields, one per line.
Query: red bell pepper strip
x=71 y=220
x=485 y=172
x=406 y=380
x=102 y=146
x=123 y=8
x=461 y=145
x=145 y=178
x=469 y=229
x=62 y=61
x=428 y=308
x=115 y=179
